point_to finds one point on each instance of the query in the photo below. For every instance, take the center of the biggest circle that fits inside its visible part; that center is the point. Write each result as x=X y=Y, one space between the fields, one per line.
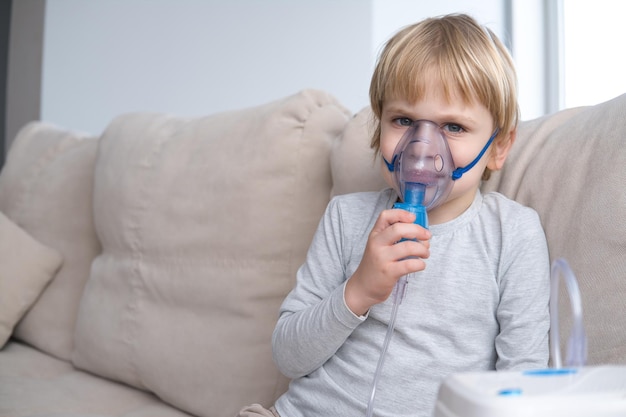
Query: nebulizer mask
x=424 y=172
x=423 y=169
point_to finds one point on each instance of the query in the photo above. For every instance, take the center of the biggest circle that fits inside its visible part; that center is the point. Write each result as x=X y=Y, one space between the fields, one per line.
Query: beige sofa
x=141 y=271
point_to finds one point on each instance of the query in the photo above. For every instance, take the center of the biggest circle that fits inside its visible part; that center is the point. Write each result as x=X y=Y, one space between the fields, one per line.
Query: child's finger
x=393 y=216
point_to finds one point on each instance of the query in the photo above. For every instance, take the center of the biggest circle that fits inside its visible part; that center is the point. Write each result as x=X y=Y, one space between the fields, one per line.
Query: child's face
x=467 y=127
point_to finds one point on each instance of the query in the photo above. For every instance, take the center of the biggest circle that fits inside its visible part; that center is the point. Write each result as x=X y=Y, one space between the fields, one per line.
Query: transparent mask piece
x=422 y=165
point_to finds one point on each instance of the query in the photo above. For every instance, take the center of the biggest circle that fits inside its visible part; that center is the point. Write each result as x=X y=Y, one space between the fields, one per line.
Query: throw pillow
x=203 y=223
x=46 y=187
x=26 y=267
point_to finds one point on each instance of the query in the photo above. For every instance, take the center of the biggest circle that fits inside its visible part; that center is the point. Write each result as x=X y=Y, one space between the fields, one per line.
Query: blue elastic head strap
x=390 y=165
x=458 y=173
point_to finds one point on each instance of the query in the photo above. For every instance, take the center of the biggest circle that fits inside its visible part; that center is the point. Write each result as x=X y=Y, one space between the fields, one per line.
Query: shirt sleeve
x=314 y=320
x=523 y=311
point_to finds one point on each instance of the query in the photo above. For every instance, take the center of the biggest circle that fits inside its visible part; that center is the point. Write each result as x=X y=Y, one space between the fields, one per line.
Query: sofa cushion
x=46 y=188
x=203 y=222
x=26 y=267
x=571 y=168
x=354 y=164
x=33 y=383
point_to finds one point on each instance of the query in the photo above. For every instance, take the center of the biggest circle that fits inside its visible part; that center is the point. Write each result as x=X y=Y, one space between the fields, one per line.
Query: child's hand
x=386 y=259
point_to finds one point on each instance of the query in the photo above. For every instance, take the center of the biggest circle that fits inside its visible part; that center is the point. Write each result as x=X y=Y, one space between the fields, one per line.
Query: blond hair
x=466 y=57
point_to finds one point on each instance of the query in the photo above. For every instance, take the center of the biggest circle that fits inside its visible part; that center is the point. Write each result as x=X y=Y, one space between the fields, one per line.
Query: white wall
x=390 y=15
x=196 y=57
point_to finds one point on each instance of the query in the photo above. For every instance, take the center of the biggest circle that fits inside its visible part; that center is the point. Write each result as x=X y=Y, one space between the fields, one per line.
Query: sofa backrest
x=353 y=163
x=571 y=168
x=46 y=189
x=203 y=222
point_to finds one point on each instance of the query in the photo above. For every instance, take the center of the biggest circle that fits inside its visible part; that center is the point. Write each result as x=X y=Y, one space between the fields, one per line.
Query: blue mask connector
x=414 y=194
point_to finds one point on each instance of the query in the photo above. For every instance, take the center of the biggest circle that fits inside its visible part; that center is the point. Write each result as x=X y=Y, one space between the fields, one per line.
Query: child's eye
x=453 y=128
x=403 y=121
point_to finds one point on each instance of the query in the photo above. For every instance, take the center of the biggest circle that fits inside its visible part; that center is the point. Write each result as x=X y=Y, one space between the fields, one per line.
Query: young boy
x=477 y=296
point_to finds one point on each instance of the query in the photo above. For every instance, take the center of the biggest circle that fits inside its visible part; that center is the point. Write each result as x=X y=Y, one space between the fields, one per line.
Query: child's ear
x=500 y=151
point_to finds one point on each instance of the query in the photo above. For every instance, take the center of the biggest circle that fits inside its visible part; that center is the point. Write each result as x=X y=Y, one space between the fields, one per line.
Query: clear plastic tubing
x=577 y=343
x=399 y=291
x=413 y=198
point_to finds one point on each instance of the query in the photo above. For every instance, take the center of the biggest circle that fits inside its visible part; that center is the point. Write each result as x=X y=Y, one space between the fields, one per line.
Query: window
x=594 y=65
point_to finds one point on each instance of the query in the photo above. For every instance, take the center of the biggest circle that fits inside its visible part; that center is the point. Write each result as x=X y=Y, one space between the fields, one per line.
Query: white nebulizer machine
x=572 y=391
x=424 y=172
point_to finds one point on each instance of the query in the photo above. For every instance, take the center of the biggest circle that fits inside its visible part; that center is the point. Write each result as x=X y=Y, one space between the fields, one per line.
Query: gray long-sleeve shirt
x=480 y=304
